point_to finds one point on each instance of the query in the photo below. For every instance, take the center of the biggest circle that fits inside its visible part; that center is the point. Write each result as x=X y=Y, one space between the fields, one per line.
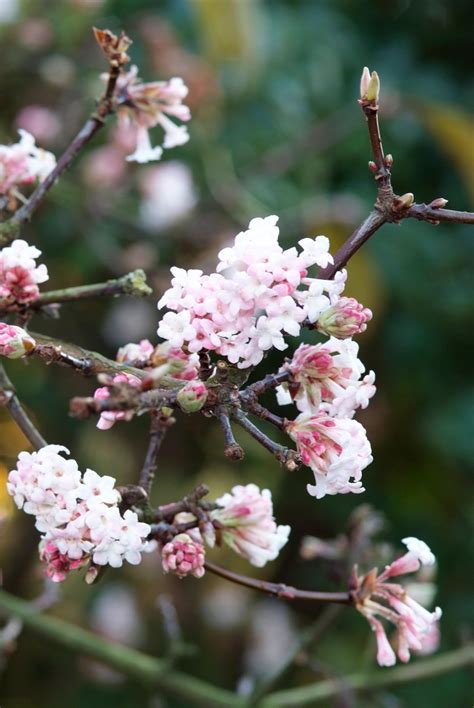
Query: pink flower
x=15 y=342
x=246 y=524
x=345 y=318
x=58 y=565
x=108 y=418
x=145 y=106
x=19 y=274
x=329 y=373
x=23 y=163
x=336 y=449
x=134 y=354
x=183 y=556
x=192 y=396
x=376 y=596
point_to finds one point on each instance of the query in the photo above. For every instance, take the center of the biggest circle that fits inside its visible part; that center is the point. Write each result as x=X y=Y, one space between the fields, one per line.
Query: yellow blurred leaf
x=12 y=440
x=454 y=131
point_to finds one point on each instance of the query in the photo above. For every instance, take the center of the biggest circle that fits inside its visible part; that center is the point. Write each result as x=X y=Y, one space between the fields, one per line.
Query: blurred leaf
x=454 y=129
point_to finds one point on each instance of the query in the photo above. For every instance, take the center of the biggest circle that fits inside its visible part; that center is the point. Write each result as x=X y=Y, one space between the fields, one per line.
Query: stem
x=11 y=401
x=88 y=363
x=270 y=381
x=253 y=406
x=285 y=455
x=285 y=592
x=302 y=642
x=127 y=398
x=383 y=176
x=372 y=223
x=309 y=695
x=424 y=212
x=232 y=449
x=158 y=430
x=133 y=663
x=133 y=283
x=10 y=230
x=169 y=511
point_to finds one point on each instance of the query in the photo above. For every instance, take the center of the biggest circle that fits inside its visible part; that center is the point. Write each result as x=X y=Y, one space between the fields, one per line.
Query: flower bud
x=364 y=82
x=373 y=89
x=192 y=396
x=403 y=202
x=344 y=319
x=439 y=203
x=183 y=556
x=15 y=342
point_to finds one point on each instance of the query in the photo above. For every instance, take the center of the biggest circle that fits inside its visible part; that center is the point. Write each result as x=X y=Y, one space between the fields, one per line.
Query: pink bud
x=183 y=556
x=344 y=319
x=15 y=342
x=192 y=396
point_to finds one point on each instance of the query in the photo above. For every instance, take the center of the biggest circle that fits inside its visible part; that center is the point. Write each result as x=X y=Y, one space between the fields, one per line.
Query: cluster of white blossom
x=23 y=163
x=77 y=514
x=19 y=274
x=259 y=293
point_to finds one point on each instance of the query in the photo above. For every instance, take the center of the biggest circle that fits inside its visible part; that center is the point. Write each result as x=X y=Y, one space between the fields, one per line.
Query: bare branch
x=285 y=592
x=10 y=400
x=158 y=428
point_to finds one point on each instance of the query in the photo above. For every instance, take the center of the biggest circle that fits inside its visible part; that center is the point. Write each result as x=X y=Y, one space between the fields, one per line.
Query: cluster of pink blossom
x=23 y=163
x=144 y=106
x=416 y=627
x=246 y=524
x=259 y=293
x=15 y=342
x=77 y=514
x=19 y=274
x=327 y=384
x=165 y=365
x=327 y=377
x=183 y=555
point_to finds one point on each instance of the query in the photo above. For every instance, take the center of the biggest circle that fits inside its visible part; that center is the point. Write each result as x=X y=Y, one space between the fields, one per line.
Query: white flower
x=177 y=328
x=96 y=489
x=144 y=151
x=420 y=549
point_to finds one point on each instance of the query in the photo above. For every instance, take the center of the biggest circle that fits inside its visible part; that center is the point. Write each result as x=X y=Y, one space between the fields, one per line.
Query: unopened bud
x=344 y=319
x=91 y=575
x=192 y=396
x=439 y=203
x=364 y=82
x=403 y=202
x=15 y=342
x=373 y=167
x=388 y=160
x=114 y=48
x=373 y=89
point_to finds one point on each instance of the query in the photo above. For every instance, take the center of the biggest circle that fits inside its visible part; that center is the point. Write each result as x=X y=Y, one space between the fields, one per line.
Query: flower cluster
x=77 y=514
x=246 y=524
x=144 y=106
x=377 y=596
x=19 y=274
x=23 y=163
x=328 y=377
x=259 y=293
x=15 y=342
x=108 y=418
x=183 y=555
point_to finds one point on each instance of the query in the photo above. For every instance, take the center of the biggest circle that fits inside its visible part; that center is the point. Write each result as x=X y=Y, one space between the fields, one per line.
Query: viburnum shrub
x=213 y=329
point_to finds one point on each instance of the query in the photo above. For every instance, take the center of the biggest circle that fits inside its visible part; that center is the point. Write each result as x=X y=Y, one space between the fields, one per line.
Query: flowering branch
x=280 y=590
x=11 y=229
x=10 y=400
x=123 y=398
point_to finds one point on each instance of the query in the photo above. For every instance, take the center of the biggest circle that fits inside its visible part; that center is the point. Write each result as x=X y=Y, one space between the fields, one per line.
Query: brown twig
x=133 y=284
x=10 y=400
x=158 y=428
x=426 y=212
x=123 y=398
x=188 y=503
x=232 y=449
x=286 y=592
x=285 y=455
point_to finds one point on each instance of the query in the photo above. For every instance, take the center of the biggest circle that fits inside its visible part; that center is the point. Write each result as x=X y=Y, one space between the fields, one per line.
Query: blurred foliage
x=276 y=129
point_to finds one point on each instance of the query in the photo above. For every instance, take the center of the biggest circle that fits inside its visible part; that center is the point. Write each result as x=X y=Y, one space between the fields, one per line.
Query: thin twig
x=425 y=212
x=285 y=592
x=133 y=284
x=123 y=397
x=188 y=503
x=9 y=231
x=232 y=449
x=158 y=427
x=10 y=400
x=285 y=455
